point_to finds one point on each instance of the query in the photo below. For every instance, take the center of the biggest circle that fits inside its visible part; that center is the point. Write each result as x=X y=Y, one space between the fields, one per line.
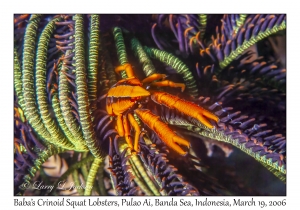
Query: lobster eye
x=147 y=87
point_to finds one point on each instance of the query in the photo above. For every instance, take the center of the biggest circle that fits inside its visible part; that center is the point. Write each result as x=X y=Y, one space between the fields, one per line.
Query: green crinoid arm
x=18 y=79
x=200 y=130
x=274 y=167
x=42 y=157
x=158 y=182
x=57 y=135
x=66 y=109
x=253 y=40
x=72 y=168
x=79 y=145
x=141 y=176
x=100 y=176
x=214 y=134
x=31 y=109
x=203 y=22
x=177 y=65
x=94 y=45
x=148 y=67
x=239 y=22
x=108 y=68
x=121 y=51
x=84 y=168
x=82 y=92
x=92 y=175
x=77 y=182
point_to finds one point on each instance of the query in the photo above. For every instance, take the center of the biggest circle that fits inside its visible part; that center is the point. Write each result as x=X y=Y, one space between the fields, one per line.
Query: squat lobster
x=126 y=96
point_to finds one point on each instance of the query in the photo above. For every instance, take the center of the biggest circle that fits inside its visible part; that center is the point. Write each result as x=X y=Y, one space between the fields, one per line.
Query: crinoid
x=149 y=104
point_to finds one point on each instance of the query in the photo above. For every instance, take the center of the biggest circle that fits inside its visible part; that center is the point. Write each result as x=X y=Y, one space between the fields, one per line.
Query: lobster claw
x=185 y=107
x=166 y=134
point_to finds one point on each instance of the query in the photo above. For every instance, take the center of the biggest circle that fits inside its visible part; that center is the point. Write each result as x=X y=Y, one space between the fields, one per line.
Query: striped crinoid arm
x=31 y=109
x=18 y=79
x=254 y=87
x=20 y=23
x=253 y=30
x=148 y=67
x=141 y=175
x=78 y=142
x=187 y=29
x=238 y=21
x=42 y=99
x=64 y=66
x=231 y=23
x=107 y=65
x=265 y=102
x=92 y=175
x=38 y=116
x=177 y=65
x=72 y=124
x=239 y=130
x=203 y=22
x=26 y=149
x=42 y=156
x=82 y=90
x=267 y=73
x=64 y=100
x=121 y=177
x=71 y=169
x=165 y=175
x=262 y=94
x=121 y=51
x=94 y=46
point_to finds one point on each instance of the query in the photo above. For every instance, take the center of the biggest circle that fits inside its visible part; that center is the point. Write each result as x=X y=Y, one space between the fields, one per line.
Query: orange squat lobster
x=126 y=94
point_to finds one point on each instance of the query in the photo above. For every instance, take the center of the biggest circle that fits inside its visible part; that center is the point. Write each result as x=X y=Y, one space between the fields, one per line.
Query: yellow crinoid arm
x=127 y=68
x=186 y=107
x=166 y=134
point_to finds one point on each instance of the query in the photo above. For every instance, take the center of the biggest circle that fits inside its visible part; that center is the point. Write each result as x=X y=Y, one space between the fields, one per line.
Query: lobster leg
x=168 y=83
x=163 y=83
x=168 y=136
x=127 y=132
x=127 y=68
x=154 y=77
x=123 y=129
x=137 y=131
x=187 y=108
x=120 y=127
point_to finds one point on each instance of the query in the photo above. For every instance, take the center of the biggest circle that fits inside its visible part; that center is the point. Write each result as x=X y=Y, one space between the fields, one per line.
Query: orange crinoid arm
x=186 y=107
x=162 y=130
